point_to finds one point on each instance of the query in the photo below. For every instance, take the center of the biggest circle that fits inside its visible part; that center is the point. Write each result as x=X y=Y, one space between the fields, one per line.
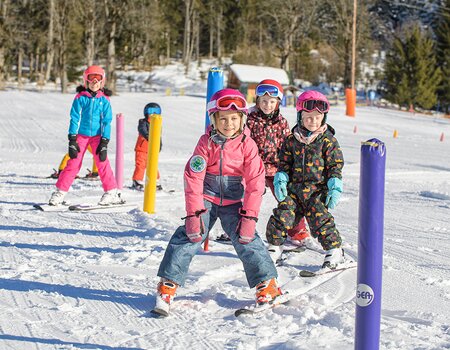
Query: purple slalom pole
x=370 y=245
x=119 y=150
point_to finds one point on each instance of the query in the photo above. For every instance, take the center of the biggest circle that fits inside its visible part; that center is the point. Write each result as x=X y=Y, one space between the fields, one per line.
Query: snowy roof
x=254 y=74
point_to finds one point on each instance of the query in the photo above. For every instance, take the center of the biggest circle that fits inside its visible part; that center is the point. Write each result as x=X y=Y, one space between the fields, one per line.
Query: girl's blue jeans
x=258 y=265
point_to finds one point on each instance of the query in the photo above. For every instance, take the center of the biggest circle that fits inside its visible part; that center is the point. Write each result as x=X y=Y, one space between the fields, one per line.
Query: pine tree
x=412 y=76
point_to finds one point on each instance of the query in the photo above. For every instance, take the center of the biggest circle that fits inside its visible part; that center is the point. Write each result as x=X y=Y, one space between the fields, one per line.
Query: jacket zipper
x=91 y=114
x=220 y=173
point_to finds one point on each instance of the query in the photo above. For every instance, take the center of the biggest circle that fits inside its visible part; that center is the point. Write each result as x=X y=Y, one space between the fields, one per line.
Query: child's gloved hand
x=102 y=149
x=246 y=227
x=194 y=226
x=334 y=192
x=280 y=185
x=73 y=147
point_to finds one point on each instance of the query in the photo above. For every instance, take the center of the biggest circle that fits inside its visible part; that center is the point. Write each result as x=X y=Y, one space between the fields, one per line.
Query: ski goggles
x=226 y=103
x=271 y=90
x=94 y=77
x=318 y=105
x=152 y=110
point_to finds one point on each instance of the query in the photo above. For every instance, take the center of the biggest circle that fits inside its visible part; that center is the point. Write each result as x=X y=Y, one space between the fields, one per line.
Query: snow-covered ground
x=71 y=280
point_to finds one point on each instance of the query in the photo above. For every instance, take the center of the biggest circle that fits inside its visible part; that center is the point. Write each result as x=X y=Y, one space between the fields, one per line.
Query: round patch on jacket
x=197 y=164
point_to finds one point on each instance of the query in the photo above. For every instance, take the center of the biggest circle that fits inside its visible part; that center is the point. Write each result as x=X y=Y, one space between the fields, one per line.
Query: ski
x=87 y=207
x=159 y=312
x=326 y=270
x=158 y=190
x=161 y=308
x=47 y=207
x=255 y=308
x=86 y=178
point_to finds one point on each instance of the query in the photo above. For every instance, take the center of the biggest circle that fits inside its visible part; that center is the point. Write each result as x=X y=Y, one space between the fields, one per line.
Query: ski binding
x=322 y=271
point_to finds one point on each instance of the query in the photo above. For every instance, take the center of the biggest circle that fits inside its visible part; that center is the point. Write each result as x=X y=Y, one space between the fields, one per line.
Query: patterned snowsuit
x=269 y=134
x=309 y=167
x=222 y=176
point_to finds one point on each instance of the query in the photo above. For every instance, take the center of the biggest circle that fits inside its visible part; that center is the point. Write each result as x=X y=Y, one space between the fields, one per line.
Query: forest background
x=406 y=43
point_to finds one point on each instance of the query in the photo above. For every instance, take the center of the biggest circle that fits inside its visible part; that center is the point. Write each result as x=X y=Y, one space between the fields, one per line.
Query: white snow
x=71 y=280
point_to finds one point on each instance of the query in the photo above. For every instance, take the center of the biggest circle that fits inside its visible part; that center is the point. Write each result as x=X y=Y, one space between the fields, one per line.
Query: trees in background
x=412 y=75
x=53 y=40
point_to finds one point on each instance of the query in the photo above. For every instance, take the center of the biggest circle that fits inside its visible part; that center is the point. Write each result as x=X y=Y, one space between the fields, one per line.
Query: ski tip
x=38 y=207
x=243 y=311
x=306 y=273
x=159 y=313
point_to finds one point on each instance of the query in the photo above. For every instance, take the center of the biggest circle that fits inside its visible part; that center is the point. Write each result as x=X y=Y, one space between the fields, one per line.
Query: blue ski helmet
x=152 y=108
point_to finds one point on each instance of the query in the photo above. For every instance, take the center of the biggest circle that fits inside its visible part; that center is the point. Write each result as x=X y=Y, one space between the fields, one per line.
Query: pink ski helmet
x=93 y=73
x=312 y=100
x=225 y=100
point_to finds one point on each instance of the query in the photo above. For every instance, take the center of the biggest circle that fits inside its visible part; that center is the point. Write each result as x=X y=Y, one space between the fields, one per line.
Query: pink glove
x=246 y=228
x=194 y=226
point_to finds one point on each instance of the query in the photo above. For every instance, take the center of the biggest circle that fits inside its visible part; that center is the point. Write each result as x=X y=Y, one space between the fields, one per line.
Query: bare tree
x=219 y=31
x=50 y=52
x=113 y=15
x=4 y=13
x=90 y=21
x=291 y=22
x=62 y=18
x=188 y=12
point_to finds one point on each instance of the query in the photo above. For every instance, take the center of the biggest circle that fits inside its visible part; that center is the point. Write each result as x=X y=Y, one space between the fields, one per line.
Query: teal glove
x=280 y=185
x=334 y=192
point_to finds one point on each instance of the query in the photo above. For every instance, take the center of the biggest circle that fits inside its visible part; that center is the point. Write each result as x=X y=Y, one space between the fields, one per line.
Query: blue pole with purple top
x=370 y=245
x=215 y=83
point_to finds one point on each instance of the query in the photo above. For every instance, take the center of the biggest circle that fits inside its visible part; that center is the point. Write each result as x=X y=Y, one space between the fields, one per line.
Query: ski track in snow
x=87 y=279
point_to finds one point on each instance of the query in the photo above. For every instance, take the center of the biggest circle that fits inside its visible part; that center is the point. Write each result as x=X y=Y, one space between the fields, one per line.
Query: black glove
x=73 y=147
x=102 y=149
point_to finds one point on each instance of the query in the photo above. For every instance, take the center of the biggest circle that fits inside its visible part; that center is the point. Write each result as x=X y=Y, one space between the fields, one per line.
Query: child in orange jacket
x=141 y=147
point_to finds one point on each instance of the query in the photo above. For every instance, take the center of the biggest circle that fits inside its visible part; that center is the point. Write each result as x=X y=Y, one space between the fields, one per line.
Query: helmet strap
x=299 y=118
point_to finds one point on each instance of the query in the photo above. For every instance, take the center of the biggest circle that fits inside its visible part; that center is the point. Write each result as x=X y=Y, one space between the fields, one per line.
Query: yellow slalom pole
x=152 y=163
x=64 y=161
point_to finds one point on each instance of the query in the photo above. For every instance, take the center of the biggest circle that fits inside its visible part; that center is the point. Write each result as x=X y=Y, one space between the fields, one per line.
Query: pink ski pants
x=73 y=165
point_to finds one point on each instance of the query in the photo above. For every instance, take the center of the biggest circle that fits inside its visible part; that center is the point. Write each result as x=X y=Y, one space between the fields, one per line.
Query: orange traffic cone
x=442 y=137
x=395 y=134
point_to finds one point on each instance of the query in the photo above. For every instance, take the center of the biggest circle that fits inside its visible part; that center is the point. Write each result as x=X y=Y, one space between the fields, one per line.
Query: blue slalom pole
x=370 y=245
x=215 y=83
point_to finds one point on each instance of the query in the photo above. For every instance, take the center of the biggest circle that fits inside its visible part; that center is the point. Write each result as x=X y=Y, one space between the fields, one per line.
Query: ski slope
x=86 y=280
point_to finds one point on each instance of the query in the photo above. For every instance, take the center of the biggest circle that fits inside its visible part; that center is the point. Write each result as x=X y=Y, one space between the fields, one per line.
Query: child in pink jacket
x=224 y=179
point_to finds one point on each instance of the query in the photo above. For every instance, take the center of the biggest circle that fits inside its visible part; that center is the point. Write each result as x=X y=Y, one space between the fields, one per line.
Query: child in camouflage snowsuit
x=309 y=178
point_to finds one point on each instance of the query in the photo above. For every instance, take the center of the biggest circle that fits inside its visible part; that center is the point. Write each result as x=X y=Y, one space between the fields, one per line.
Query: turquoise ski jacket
x=91 y=115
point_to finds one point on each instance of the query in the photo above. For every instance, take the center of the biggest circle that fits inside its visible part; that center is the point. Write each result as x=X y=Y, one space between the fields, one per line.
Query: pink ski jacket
x=224 y=171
